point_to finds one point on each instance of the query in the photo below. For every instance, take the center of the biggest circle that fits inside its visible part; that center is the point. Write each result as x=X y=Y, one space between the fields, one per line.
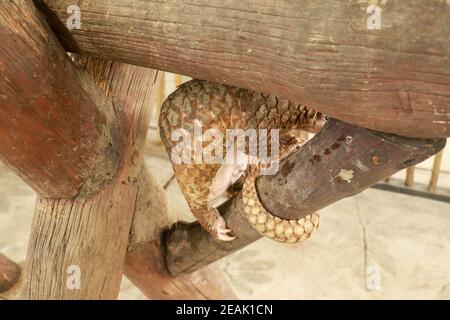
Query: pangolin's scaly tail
x=282 y=230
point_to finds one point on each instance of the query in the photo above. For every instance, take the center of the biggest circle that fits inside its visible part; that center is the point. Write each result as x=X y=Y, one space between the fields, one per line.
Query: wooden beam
x=87 y=238
x=50 y=102
x=57 y=130
x=318 y=53
x=340 y=161
x=98 y=228
x=145 y=264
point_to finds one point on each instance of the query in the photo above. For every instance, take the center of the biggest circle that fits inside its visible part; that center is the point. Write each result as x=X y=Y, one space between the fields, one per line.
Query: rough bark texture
x=57 y=129
x=93 y=234
x=340 y=161
x=9 y=273
x=145 y=265
x=62 y=118
x=60 y=133
x=318 y=53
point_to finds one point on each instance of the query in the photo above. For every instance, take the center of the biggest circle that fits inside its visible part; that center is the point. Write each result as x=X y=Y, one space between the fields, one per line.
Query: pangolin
x=198 y=105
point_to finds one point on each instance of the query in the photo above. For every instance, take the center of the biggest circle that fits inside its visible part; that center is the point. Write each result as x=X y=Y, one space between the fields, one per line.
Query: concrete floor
x=375 y=245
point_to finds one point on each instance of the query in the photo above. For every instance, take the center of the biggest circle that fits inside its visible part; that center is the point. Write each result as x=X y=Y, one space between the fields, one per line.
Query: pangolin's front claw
x=221 y=231
x=225 y=237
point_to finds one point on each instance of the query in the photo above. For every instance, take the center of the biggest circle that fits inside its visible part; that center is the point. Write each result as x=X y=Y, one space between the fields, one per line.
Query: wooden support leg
x=145 y=264
x=81 y=149
x=87 y=238
x=435 y=172
x=409 y=180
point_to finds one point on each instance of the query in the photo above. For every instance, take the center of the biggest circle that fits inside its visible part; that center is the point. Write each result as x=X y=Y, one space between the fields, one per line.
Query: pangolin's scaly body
x=226 y=107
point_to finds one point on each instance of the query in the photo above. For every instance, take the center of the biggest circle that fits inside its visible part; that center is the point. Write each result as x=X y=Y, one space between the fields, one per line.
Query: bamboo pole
x=435 y=172
x=409 y=180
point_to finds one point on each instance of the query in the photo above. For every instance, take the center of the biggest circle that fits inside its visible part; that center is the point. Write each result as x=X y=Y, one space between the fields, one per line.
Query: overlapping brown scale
x=270 y=226
x=226 y=107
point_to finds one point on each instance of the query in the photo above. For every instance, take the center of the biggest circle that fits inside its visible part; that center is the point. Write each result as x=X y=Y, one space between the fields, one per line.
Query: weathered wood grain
x=89 y=232
x=57 y=129
x=93 y=234
x=318 y=53
x=340 y=161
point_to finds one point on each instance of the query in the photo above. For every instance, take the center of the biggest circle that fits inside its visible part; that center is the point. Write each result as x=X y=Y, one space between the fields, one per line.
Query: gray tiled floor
x=405 y=239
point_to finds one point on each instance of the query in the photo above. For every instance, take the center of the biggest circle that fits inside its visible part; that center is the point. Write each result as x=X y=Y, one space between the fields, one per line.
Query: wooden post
x=72 y=136
x=409 y=180
x=390 y=79
x=57 y=130
x=145 y=262
x=161 y=96
x=435 y=172
x=87 y=238
x=340 y=161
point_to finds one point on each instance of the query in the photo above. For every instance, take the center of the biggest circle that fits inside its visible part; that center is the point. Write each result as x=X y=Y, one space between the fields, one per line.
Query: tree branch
x=340 y=161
